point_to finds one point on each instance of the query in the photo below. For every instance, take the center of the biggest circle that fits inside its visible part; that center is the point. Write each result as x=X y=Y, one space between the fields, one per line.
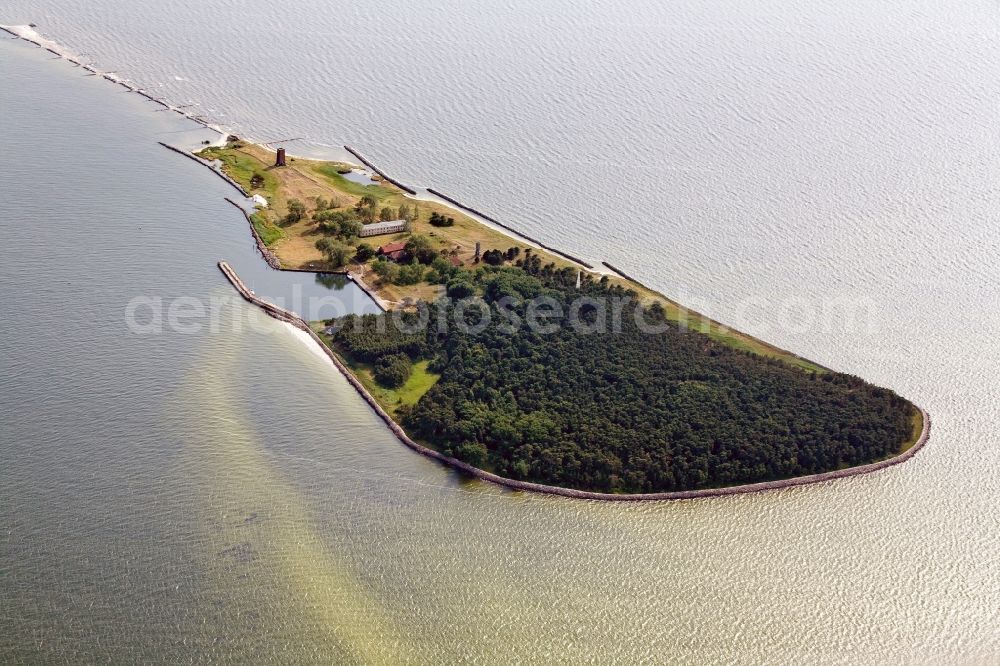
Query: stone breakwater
x=624 y=275
x=269 y=257
x=205 y=163
x=465 y=468
x=512 y=230
x=409 y=190
x=26 y=34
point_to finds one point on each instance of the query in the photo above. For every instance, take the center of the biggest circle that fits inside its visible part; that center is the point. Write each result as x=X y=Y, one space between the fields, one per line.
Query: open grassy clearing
x=420 y=381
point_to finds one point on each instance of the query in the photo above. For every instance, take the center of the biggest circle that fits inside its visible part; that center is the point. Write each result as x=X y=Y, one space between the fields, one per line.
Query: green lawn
x=269 y=233
x=420 y=381
x=918 y=427
x=241 y=168
x=409 y=393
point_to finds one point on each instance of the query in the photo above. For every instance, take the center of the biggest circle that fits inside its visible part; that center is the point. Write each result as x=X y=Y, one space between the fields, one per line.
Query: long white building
x=381 y=228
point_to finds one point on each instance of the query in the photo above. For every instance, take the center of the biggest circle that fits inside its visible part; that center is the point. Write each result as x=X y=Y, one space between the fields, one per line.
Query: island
x=526 y=367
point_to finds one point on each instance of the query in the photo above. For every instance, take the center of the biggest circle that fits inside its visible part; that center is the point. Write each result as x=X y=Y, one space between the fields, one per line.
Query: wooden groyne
x=205 y=163
x=518 y=234
x=290 y=317
x=364 y=160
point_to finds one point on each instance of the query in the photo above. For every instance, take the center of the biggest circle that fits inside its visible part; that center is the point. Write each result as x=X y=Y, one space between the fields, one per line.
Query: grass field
x=269 y=232
x=341 y=184
x=420 y=381
x=918 y=427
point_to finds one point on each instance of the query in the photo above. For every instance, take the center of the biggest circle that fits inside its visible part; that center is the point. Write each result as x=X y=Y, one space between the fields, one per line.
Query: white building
x=381 y=228
x=258 y=200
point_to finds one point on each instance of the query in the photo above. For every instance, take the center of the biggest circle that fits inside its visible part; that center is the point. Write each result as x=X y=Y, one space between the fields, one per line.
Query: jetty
x=364 y=160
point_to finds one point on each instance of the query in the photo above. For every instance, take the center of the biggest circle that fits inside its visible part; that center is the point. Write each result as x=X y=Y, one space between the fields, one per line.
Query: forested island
x=607 y=409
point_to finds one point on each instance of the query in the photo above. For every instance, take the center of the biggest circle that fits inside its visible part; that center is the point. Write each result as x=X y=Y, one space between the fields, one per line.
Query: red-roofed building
x=394 y=251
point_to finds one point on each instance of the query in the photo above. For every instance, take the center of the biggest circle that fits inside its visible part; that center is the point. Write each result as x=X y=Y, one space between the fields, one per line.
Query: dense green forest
x=624 y=411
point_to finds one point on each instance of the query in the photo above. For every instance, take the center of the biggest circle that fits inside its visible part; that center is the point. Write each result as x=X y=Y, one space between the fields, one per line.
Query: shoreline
x=271 y=260
x=409 y=190
x=29 y=34
x=514 y=233
x=298 y=322
x=266 y=253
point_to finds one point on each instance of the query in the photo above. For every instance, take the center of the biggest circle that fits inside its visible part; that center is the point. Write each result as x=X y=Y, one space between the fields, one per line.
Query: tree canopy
x=618 y=411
